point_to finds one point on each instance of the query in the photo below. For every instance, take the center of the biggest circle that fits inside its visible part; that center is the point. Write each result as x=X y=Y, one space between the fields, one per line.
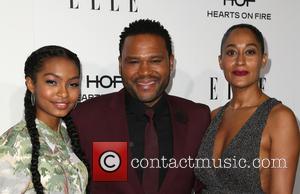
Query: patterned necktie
x=151 y=150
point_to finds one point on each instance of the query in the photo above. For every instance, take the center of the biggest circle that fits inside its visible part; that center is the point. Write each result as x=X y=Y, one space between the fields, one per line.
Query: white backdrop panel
x=92 y=31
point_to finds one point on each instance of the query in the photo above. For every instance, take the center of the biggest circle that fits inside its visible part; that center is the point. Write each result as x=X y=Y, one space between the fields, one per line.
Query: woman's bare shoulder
x=282 y=120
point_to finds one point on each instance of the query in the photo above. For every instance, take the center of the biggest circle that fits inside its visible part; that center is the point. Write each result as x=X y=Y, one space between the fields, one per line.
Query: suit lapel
x=179 y=122
x=121 y=133
x=119 y=127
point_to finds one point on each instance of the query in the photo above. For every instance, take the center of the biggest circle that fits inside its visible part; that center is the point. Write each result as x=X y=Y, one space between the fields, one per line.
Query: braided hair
x=33 y=65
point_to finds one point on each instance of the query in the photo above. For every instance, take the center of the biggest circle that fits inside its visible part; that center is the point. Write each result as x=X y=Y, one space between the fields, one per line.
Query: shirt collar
x=47 y=129
x=50 y=136
x=134 y=106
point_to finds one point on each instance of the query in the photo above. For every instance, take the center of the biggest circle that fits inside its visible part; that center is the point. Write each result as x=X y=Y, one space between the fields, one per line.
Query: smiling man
x=155 y=124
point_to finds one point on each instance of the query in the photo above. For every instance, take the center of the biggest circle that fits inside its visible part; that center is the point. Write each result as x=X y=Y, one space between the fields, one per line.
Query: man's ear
x=29 y=84
x=172 y=61
x=220 y=61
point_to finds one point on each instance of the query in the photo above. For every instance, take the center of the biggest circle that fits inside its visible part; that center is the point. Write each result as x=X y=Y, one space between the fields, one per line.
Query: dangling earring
x=32 y=97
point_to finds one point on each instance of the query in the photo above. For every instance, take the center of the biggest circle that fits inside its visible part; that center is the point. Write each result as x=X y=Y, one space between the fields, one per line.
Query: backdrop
x=91 y=28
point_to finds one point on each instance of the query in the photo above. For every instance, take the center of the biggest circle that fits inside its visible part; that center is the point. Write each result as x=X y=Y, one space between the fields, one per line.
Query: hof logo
x=105 y=81
x=236 y=14
x=239 y=3
x=110 y=161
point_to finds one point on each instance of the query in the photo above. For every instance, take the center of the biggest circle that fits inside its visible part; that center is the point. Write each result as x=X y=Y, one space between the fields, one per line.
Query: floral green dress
x=61 y=170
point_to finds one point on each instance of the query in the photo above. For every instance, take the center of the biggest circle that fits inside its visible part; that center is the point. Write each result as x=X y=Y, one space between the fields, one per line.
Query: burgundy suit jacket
x=104 y=119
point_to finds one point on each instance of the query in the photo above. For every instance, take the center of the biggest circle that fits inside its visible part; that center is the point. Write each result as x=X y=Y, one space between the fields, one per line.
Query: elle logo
x=114 y=6
x=239 y=3
x=214 y=89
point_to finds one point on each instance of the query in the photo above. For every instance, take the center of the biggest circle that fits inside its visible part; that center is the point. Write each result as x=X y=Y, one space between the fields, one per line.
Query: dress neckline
x=219 y=118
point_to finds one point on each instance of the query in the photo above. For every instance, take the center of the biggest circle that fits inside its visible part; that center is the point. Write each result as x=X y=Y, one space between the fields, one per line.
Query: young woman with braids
x=40 y=154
